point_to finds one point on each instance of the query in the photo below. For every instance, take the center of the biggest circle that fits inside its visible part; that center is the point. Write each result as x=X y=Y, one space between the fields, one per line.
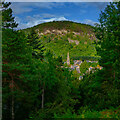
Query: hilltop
x=62 y=37
x=68 y=25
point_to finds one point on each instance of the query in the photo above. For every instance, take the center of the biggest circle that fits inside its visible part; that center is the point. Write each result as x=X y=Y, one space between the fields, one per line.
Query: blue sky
x=28 y=14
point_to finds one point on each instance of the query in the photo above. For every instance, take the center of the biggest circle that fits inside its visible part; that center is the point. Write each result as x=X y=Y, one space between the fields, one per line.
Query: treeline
x=65 y=25
x=86 y=58
x=35 y=87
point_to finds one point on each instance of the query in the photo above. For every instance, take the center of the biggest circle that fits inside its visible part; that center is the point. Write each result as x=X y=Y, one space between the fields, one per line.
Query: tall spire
x=68 y=59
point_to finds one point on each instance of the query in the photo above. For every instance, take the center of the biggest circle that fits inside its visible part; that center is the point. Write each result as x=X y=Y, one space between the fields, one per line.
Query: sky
x=28 y=14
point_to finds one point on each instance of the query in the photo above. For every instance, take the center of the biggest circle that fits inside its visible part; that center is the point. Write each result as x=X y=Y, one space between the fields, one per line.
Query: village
x=77 y=63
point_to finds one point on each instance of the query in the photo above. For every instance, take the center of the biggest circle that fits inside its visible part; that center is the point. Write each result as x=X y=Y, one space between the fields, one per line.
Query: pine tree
x=16 y=59
x=36 y=44
x=108 y=47
x=109 y=39
x=8 y=22
x=7 y=16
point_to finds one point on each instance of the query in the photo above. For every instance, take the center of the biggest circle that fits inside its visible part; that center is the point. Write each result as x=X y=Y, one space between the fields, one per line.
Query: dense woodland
x=36 y=87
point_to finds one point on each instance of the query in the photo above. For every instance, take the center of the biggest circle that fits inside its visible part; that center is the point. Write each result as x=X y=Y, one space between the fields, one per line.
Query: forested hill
x=61 y=37
x=68 y=25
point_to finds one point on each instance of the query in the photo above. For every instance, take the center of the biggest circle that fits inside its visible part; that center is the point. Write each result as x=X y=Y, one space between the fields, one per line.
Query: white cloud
x=61 y=18
x=89 y=22
x=31 y=21
x=99 y=5
x=22 y=7
x=86 y=21
x=19 y=10
x=46 y=15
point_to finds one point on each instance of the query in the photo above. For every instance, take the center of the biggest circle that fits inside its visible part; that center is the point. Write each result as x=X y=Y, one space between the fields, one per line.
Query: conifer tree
x=16 y=59
x=7 y=16
x=8 y=22
x=108 y=47
x=36 y=44
x=109 y=39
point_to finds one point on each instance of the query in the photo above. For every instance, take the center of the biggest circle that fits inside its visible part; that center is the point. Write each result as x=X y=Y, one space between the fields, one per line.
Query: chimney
x=68 y=59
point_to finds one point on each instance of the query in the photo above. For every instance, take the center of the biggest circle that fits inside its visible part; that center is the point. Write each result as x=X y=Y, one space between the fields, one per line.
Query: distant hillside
x=62 y=37
x=68 y=25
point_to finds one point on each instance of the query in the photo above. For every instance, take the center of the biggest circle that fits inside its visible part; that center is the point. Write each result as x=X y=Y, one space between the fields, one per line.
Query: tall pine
x=36 y=44
x=108 y=47
x=7 y=16
x=109 y=39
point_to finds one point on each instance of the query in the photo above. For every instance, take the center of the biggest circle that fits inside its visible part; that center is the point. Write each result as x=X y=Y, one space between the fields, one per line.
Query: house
x=81 y=77
x=78 y=69
x=87 y=61
x=77 y=62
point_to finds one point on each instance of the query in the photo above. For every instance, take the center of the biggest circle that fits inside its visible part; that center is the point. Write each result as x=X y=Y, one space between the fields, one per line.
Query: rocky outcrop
x=73 y=41
x=64 y=32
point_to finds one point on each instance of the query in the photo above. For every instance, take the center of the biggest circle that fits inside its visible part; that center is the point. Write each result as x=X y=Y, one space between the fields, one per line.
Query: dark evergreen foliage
x=7 y=16
x=36 y=44
x=36 y=86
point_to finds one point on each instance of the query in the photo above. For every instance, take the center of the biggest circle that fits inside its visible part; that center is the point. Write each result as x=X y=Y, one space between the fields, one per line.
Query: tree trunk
x=12 y=89
x=114 y=75
x=13 y=108
x=42 y=106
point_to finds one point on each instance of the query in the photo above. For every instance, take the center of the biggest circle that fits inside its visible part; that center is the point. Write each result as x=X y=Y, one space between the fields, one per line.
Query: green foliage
x=107 y=48
x=7 y=18
x=106 y=113
x=59 y=44
x=56 y=101
x=109 y=40
x=86 y=58
x=67 y=114
x=75 y=73
x=16 y=60
x=84 y=67
x=67 y=25
x=97 y=94
x=90 y=114
x=60 y=47
x=37 y=46
x=28 y=69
